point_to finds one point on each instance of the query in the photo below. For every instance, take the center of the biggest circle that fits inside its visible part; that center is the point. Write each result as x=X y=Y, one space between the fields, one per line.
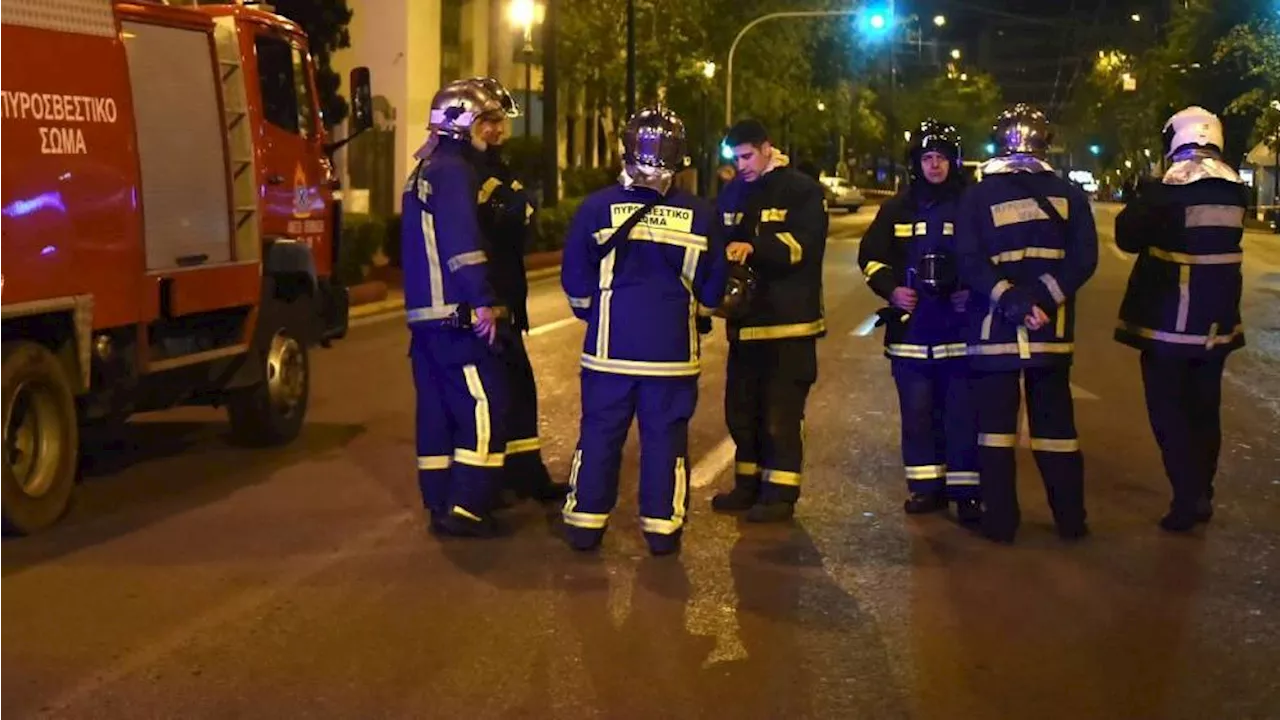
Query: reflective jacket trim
x=780 y=332
x=444 y=312
x=606 y=305
x=793 y=246
x=475 y=459
x=1056 y=445
x=731 y=219
x=523 y=445
x=582 y=303
x=1040 y=253
x=480 y=457
x=435 y=273
x=1184 y=298
x=1209 y=341
x=1227 y=216
x=433 y=462
x=872 y=268
x=642 y=368
x=902 y=230
x=461 y=260
x=773 y=215
x=1055 y=290
x=1014 y=212
x=665 y=236
x=487 y=189
x=1061 y=329
x=1024 y=350
x=999 y=289
x=963 y=478
x=948 y=228
x=1189 y=259
x=998 y=440
x=927 y=352
x=746 y=468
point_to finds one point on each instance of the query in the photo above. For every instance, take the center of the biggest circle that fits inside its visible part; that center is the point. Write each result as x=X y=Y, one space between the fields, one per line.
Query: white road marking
x=552 y=326
x=713 y=463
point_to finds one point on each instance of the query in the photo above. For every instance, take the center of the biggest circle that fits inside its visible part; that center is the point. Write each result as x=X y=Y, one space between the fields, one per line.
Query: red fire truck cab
x=169 y=226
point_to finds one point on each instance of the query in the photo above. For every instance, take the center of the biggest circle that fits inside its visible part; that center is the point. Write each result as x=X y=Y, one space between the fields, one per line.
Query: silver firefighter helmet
x=1022 y=130
x=654 y=140
x=497 y=91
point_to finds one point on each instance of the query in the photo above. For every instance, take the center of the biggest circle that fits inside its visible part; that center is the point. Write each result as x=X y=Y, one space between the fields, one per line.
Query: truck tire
x=271 y=412
x=41 y=438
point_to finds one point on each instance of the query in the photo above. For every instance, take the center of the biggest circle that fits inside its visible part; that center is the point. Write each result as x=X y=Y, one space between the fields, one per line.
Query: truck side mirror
x=361 y=100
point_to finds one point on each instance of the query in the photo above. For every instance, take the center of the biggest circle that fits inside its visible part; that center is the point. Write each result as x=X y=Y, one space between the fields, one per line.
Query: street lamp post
x=524 y=13
x=708 y=166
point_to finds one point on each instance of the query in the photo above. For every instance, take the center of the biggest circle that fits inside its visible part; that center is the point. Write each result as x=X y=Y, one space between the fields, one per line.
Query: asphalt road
x=194 y=579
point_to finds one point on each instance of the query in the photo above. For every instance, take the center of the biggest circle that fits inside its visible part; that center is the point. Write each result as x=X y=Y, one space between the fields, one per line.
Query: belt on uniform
x=445 y=314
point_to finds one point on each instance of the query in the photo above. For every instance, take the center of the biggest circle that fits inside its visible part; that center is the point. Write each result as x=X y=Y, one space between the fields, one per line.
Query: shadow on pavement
x=172 y=467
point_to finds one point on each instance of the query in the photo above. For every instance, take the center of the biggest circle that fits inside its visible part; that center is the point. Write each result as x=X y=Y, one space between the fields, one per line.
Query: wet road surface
x=195 y=579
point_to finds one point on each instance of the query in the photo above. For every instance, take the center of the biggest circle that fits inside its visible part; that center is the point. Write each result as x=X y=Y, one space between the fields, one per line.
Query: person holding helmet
x=1182 y=305
x=505 y=214
x=1027 y=243
x=908 y=258
x=457 y=323
x=639 y=259
x=775 y=220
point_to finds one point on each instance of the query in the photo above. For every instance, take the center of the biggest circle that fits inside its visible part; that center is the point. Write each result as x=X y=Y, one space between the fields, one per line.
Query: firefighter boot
x=969 y=511
x=920 y=503
x=746 y=489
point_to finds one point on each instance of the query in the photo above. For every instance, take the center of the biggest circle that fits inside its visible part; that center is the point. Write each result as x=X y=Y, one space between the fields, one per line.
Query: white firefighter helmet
x=1195 y=127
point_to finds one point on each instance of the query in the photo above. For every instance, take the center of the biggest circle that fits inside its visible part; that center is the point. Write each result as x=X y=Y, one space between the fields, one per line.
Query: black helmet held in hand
x=936 y=274
x=738 y=292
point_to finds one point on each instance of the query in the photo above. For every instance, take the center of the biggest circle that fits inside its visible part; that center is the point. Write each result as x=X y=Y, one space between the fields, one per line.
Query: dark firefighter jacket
x=783 y=215
x=901 y=234
x=1014 y=256
x=1183 y=296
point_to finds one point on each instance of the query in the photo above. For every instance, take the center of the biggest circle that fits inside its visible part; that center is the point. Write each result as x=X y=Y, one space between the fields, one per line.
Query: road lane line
x=235 y=608
x=552 y=326
x=713 y=463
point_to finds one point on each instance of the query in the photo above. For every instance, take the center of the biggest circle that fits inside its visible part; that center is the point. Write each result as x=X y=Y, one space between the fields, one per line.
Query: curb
x=394 y=299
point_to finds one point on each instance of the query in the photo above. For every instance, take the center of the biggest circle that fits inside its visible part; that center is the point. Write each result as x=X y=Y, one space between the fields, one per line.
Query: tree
x=970 y=102
x=325 y=22
x=1254 y=48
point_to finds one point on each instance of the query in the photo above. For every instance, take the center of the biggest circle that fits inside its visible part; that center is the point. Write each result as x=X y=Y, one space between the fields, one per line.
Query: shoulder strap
x=622 y=231
x=1046 y=206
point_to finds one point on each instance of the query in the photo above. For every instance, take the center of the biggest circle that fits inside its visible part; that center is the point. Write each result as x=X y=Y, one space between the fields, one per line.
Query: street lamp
x=708 y=69
x=822 y=107
x=1136 y=17
x=939 y=20
x=955 y=54
x=524 y=14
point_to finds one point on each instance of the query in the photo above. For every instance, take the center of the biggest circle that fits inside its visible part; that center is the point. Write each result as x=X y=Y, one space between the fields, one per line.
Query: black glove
x=1015 y=305
x=704 y=324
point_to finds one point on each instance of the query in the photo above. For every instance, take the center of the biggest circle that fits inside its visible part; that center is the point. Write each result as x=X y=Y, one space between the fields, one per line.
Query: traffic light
x=1095 y=149
x=874 y=22
x=726 y=152
x=990 y=148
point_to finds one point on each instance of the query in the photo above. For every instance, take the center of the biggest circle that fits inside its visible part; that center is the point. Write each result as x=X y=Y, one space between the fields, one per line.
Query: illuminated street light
x=524 y=14
x=906 y=135
x=1135 y=17
x=955 y=54
x=822 y=107
x=939 y=20
x=708 y=69
x=877 y=21
x=964 y=77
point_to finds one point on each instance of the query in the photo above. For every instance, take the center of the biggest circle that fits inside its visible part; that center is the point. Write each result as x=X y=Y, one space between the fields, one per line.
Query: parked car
x=841 y=193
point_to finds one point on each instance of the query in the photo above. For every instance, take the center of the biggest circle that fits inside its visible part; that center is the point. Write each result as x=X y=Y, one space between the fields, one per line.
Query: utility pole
x=631 y=59
x=550 y=110
x=893 y=89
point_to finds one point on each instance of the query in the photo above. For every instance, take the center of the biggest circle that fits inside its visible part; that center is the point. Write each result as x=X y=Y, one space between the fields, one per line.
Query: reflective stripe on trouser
x=1051 y=416
x=766 y=386
x=938 y=427
x=663 y=407
x=1184 y=401
x=461 y=411
x=524 y=470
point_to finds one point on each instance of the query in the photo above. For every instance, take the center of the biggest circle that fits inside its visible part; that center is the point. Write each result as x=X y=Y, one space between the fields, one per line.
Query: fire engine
x=170 y=226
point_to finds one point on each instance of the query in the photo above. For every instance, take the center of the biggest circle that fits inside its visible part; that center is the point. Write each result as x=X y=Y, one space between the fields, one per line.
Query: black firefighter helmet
x=738 y=292
x=933 y=136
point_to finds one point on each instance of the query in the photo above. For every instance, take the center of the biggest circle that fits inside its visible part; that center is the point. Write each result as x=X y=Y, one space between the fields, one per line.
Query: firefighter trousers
x=939 y=427
x=1051 y=416
x=462 y=406
x=766 y=386
x=1184 y=399
x=524 y=469
x=662 y=406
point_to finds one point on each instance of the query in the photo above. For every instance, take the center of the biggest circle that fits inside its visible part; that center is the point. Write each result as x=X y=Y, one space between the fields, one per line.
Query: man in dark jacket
x=1027 y=243
x=1182 y=305
x=908 y=258
x=775 y=222
x=505 y=213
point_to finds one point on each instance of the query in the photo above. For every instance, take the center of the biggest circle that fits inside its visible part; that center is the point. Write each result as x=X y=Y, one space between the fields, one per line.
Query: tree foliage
x=1255 y=49
x=325 y=22
x=971 y=104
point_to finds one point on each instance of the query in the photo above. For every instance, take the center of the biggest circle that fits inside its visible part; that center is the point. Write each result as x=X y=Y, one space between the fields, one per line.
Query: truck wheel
x=272 y=411
x=41 y=438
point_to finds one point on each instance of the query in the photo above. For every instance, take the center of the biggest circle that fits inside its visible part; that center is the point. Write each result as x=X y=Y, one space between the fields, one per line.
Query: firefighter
x=908 y=258
x=776 y=222
x=639 y=259
x=1182 y=306
x=505 y=214
x=457 y=323
x=1027 y=243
